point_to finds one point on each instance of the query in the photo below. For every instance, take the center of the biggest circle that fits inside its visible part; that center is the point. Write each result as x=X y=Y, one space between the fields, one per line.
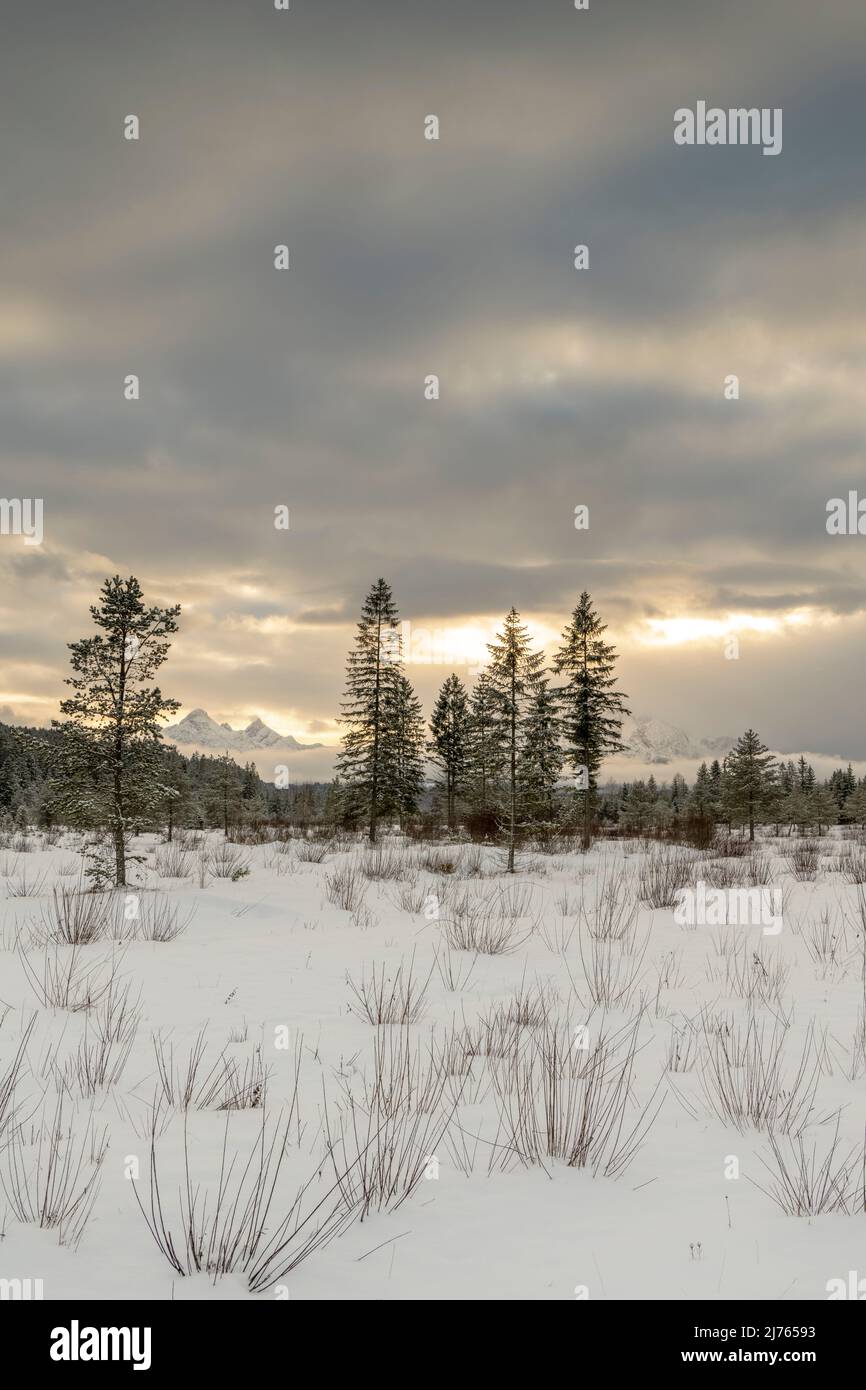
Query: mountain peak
x=199 y=729
x=655 y=741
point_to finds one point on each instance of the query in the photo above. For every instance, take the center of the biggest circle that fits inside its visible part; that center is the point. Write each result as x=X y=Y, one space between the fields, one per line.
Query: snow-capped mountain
x=199 y=729
x=654 y=741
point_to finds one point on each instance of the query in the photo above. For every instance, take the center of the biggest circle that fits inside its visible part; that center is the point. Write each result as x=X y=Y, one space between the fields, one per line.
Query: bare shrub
x=312 y=851
x=803 y=861
x=852 y=863
x=513 y=900
x=158 y=920
x=726 y=873
x=684 y=1046
x=440 y=861
x=389 y=996
x=612 y=974
x=749 y=972
x=566 y=1103
x=412 y=895
x=52 y=1179
x=24 y=887
x=857 y=1057
x=663 y=875
x=826 y=941
x=344 y=887
x=455 y=972
x=383 y=862
x=227 y=1084
x=233 y=1230
x=101 y=1056
x=64 y=978
x=9 y=1077
x=746 y=1081
x=384 y=1140
x=730 y=847
x=556 y=935
x=475 y=927
x=74 y=918
x=613 y=914
x=173 y=861
x=802 y=1184
x=760 y=870
x=227 y=861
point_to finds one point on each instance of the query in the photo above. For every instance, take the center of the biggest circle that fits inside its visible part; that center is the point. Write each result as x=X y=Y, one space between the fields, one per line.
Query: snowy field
x=574 y=1094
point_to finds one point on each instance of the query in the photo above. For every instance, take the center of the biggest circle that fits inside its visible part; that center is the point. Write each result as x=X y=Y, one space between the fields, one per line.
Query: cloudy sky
x=305 y=387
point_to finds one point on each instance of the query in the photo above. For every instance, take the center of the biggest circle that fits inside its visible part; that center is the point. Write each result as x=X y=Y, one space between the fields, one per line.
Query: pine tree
x=368 y=764
x=539 y=766
x=703 y=800
x=179 y=803
x=486 y=752
x=825 y=811
x=750 y=779
x=449 y=742
x=855 y=806
x=679 y=793
x=108 y=770
x=404 y=762
x=637 y=806
x=805 y=775
x=514 y=672
x=592 y=708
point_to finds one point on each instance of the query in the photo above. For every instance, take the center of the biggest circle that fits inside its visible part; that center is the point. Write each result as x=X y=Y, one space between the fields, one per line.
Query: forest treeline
x=517 y=755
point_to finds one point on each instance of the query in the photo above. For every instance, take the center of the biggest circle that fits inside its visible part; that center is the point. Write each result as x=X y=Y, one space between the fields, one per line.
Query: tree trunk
x=119 y=857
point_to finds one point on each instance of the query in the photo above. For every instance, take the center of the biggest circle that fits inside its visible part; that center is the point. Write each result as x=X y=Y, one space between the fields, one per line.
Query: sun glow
x=675 y=632
x=460 y=644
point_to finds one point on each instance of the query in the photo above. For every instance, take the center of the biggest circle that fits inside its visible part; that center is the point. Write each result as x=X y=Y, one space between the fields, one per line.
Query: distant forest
x=200 y=791
x=208 y=792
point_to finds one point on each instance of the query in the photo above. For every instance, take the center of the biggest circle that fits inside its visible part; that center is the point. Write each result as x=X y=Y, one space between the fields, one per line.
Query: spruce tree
x=592 y=708
x=404 y=759
x=368 y=764
x=514 y=673
x=703 y=801
x=108 y=770
x=855 y=806
x=750 y=779
x=805 y=775
x=486 y=752
x=179 y=804
x=449 y=742
x=539 y=766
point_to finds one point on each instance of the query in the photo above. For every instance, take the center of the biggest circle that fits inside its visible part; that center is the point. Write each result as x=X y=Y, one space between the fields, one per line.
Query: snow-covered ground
x=271 y=972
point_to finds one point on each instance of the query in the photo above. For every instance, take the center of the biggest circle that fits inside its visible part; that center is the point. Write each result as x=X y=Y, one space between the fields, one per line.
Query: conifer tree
x=370 y=761
x=514 y=672
x=592 y=708
x=703 y=800
x=179 y=803
x=825 y=811
x=637 y=806
x=855 y=806
x=805 y=775
x=108 y=769
x=404 y=759
x=449 y=742
x=486 y=751
x=750 y=779
x=539 y=765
